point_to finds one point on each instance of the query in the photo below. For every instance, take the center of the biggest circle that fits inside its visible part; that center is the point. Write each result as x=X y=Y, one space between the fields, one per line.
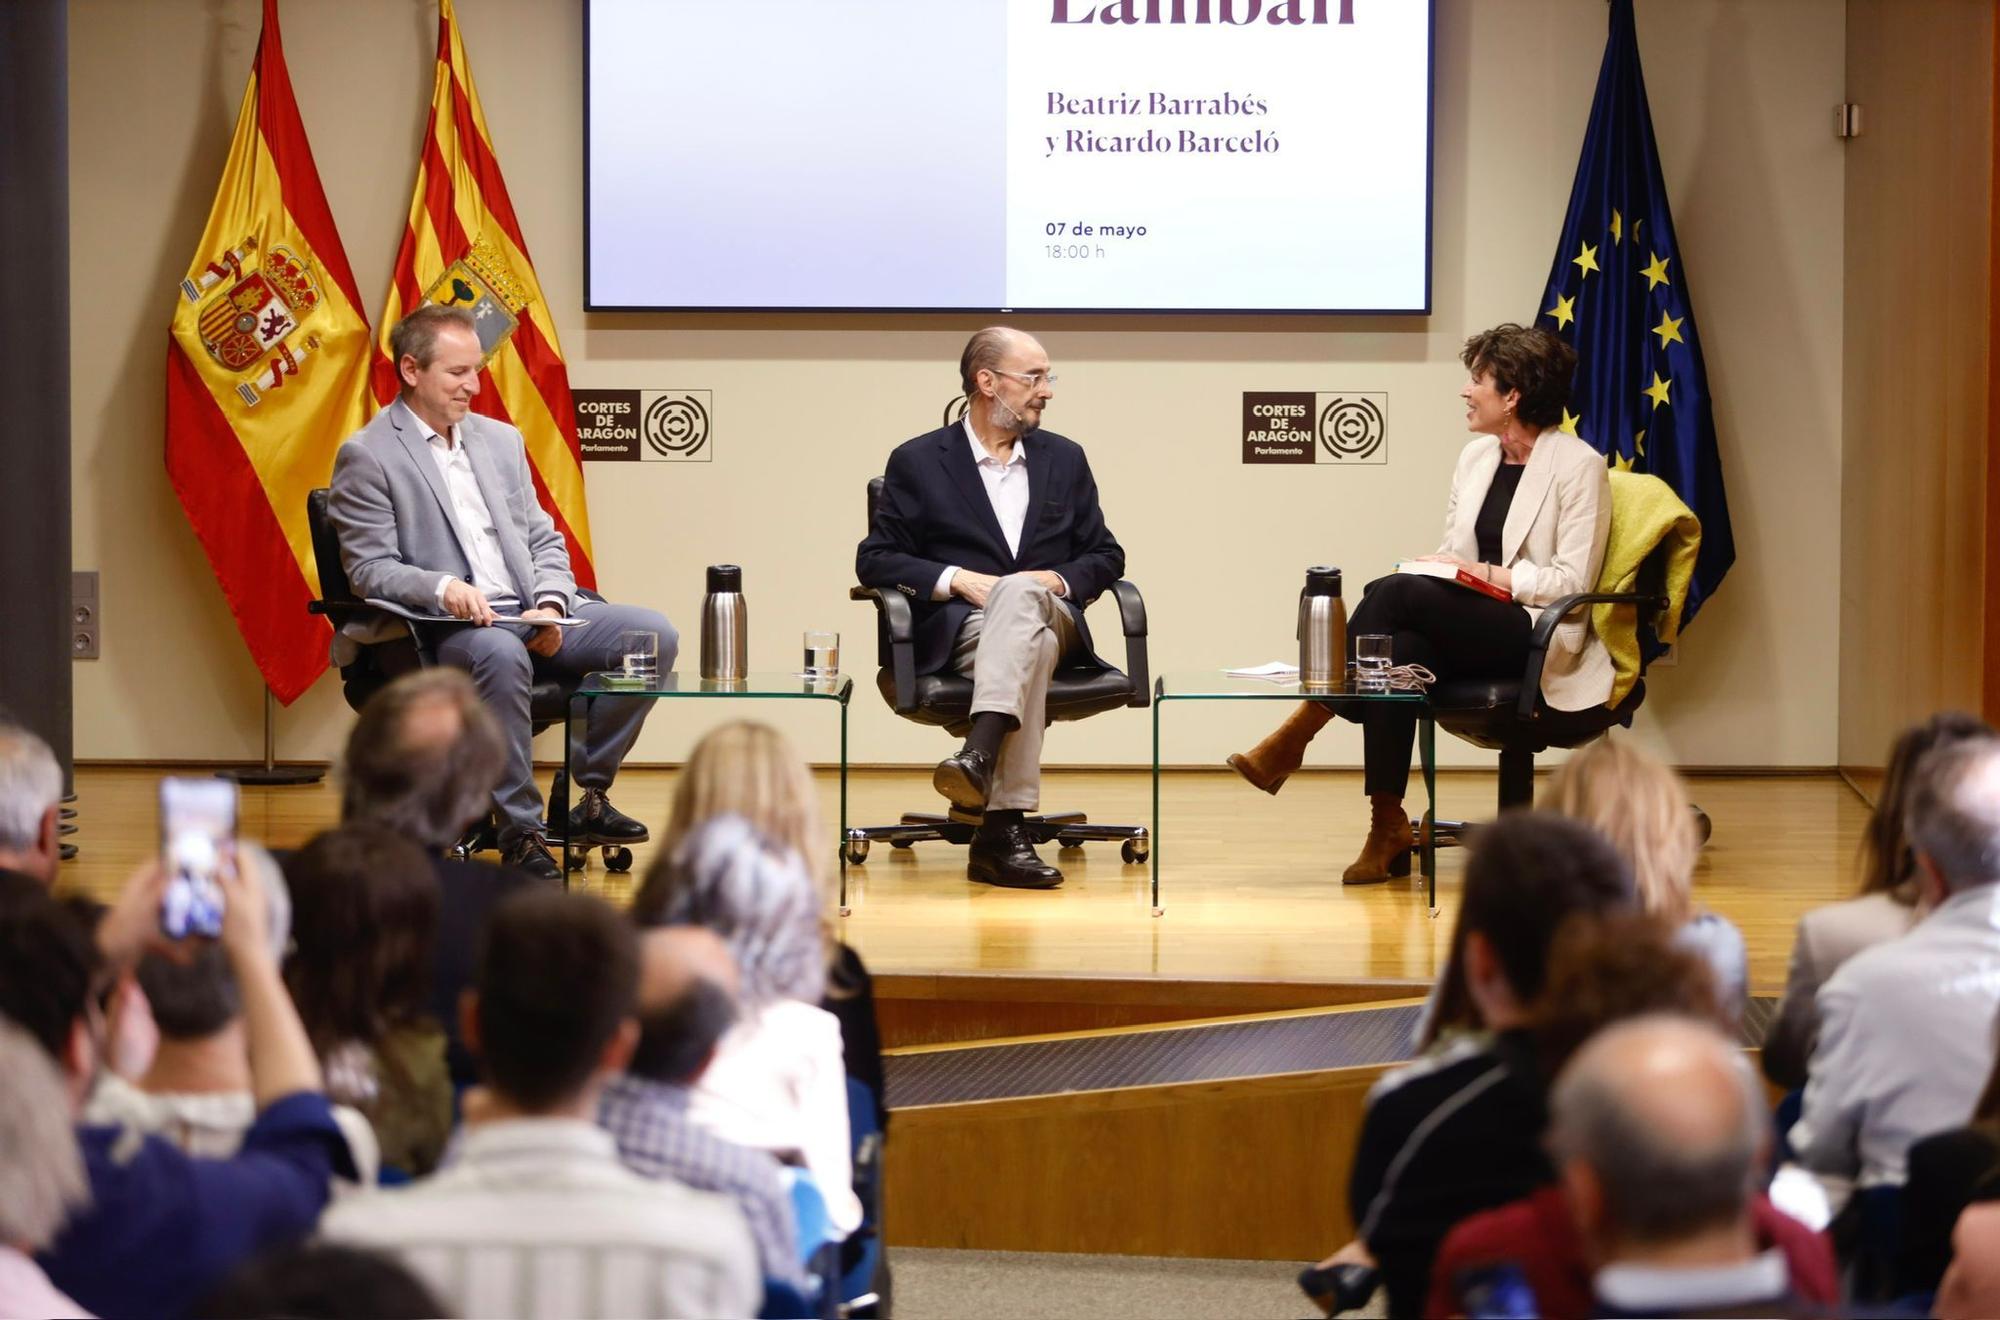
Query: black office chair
x=377 y=664
x=1509 y=716
x=946 y=700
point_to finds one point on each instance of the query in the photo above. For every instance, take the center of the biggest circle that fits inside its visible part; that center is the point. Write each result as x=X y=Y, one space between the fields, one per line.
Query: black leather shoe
x=964 y=777
x=1001 y=855
x=595 y=820
x=530 y=854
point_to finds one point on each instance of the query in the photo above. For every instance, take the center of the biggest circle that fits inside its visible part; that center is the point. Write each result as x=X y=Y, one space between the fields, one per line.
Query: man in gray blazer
x=436 y=511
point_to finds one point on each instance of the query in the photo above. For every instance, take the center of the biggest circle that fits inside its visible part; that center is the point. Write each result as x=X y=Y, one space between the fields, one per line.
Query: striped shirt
x=537 y=1218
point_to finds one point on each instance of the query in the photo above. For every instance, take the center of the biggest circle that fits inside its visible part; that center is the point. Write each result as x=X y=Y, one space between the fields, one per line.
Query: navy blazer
x=934 y=514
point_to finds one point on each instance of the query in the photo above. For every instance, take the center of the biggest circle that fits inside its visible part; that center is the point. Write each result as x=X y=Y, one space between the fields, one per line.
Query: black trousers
x=1453 y=631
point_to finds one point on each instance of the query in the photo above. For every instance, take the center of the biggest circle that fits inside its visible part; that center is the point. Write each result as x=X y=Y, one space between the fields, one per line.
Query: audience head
x=194 y=997
x=1529 y=359
x=1528 y=872
x=1641 y=806
x=1610 y=968
x=1952 y=819
x=30 y=803
x=422 y=759
x=687 y=1002
x=553 y=1001
x=364 y=915
x=755 y=894
x=1887 y=865
x=41 y=1170
x=323 y=1281
x=1658 y=1128
x=750 y=770
x=50 y=977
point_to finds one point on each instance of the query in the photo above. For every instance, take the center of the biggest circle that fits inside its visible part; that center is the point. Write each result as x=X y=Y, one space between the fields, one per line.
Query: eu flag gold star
x=1639 y=444
x=1622 y=463
x=1564 y=311
x=1569 y=421
x=1669 y=330
x=1586 y=260
x=1617 y=226
x=1657 y=391
x=1656 y=274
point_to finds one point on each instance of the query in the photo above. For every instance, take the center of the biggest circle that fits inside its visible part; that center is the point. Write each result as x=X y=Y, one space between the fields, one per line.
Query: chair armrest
x=894 y=613
x=339 y=612
x=1132 y=621
x=1545 y=631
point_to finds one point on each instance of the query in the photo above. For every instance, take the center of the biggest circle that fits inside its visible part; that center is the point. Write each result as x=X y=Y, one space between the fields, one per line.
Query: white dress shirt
x=1007 y=490
x=1905 y=1042
x=478 y=535
x=537 y=1218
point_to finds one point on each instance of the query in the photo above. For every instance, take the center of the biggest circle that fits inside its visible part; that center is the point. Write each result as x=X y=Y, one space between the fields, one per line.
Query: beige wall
x=807 y=406
x=1914 y=422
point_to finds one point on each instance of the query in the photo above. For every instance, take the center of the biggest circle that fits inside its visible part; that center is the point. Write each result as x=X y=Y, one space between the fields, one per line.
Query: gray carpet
x=945 y=1285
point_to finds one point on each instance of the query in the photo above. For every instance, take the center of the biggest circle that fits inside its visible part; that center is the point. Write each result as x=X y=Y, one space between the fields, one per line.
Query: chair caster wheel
x=618 y=859
x=856 y=851
x=1703 y=825
x=1069 y=843
x=576 y=859
x=901 y=845
x=1135 y=850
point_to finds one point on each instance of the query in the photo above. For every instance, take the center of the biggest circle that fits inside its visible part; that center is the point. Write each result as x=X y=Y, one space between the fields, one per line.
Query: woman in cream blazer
x=1529 y=511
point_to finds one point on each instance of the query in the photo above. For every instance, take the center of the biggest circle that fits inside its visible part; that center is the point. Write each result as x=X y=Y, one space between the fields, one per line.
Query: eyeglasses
x=1034 y=379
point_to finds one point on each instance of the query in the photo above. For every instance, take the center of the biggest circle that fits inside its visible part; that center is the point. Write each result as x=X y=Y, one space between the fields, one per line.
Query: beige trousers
x=1010 y=650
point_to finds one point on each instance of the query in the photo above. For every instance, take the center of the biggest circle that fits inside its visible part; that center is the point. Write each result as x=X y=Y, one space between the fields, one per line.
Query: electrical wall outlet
x=85 y=622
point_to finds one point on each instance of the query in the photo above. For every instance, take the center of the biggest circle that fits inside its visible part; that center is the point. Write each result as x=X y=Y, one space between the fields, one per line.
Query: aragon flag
x=1618 y=292
x=267 y=372
x=463 y=246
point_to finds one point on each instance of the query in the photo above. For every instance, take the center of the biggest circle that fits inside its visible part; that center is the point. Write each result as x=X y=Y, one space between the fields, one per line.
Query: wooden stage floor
x=1250 y=883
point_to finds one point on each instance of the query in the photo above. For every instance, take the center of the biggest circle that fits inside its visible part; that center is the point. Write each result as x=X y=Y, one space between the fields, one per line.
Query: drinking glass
x=639 y=652
x=1371 y=662
x=822 y=651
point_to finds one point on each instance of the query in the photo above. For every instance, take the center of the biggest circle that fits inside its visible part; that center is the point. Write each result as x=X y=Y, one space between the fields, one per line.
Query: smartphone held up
x=197 y=838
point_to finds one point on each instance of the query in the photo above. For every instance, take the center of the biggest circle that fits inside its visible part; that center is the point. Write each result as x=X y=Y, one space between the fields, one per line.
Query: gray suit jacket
x=397 y=539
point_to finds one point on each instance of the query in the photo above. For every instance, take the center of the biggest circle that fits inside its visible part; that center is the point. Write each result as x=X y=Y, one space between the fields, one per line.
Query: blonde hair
x=1642 y=807
x=750 y=770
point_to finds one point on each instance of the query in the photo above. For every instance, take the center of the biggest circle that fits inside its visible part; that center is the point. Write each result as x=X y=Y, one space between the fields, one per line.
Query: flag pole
x=271 y=774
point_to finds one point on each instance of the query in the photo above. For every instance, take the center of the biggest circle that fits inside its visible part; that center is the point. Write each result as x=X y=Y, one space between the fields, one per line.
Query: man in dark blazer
x=992 y=527
x=436 y=511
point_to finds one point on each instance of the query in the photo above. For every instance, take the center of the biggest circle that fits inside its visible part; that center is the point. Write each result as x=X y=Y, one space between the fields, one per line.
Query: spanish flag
x=267 y=372
x=463 y=246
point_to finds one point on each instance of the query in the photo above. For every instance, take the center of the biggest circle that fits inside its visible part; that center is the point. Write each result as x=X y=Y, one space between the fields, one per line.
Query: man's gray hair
x=983 y=352
x=41 y=1169
x=1953 y=815
x=423 y=758
x=1658 y=1186
x=30 y=783
x=416 y=335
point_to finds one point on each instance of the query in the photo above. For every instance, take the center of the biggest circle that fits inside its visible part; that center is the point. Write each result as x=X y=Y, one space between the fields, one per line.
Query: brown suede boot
x=1387 y=849
x=1271 y=762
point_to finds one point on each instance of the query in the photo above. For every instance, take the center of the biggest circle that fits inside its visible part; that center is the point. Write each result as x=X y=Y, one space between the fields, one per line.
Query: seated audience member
x=536 y=1216
x=324 y=1281
x=421 y=763
x=1602 y=972
x=1660 y=1133
x=30 y=805
x=41 y=1175
x=162 y=1227
x=364 y=913
x=777 y=1082
x=1948 y=1171
x=1460 y=1131
x=687 y=1000
x=1906 y=1027
x=1885 y=907
x=1642 y=807
x=748 y=769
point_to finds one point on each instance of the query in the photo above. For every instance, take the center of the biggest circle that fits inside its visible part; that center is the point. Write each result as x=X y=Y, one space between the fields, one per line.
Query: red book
x=1452 y=573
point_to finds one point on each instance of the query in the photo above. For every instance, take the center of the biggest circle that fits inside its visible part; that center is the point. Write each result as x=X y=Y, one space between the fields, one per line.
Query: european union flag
x=1618 y=293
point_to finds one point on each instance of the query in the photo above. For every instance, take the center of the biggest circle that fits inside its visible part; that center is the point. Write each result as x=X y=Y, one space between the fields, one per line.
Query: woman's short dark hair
x=1887 y=864
x=1529 y=359
x=1606 y=969
x=364 y=918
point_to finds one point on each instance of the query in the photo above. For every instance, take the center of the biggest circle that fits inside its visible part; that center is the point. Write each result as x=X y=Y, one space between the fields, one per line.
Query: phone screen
x=197 y=823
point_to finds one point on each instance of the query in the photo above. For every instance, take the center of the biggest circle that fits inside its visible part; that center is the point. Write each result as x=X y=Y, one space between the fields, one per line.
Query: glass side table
x=1212 y=685
x=772 y=686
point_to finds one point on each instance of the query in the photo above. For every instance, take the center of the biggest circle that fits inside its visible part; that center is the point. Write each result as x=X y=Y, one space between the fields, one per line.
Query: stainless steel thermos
x=1322 y=632
x=725 y=625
